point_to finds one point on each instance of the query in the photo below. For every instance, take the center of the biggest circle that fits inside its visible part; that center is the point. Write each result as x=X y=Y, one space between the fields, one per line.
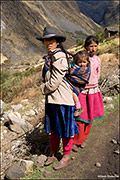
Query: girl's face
x=82 y=63
x=50 y=44
x=92 y=48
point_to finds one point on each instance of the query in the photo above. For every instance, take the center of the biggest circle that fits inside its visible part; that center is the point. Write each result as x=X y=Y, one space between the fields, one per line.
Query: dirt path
x=99 y=149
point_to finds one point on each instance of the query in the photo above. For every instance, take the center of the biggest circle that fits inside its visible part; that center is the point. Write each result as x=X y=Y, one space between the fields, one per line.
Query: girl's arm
x=59 y=69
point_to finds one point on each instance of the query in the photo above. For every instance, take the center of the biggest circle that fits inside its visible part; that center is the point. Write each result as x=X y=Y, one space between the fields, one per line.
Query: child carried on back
x=78 y=77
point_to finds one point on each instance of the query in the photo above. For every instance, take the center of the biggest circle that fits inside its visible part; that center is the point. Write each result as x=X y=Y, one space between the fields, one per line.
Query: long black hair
x=66 y=53
x=89 y=40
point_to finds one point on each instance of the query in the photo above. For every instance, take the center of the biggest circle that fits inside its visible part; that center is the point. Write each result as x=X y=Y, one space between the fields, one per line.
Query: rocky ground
x=22 y=139
x=98 y=160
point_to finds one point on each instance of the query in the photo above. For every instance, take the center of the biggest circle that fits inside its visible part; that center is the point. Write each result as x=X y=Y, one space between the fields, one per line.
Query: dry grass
x=109 y=58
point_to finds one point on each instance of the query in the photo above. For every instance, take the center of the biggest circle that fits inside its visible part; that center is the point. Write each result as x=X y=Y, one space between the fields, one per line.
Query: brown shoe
x=61 y=164
x=78 y=112
x=50 y=160
x=74 y=148
x=83 y=144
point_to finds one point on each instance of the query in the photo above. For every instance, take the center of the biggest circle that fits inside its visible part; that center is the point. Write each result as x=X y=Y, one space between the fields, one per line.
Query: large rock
x=14 y=172
x=25 y=126
x=39 y=160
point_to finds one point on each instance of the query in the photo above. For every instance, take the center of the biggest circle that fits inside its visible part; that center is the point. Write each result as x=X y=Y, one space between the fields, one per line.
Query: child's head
x=81 y=58
x=91 y=45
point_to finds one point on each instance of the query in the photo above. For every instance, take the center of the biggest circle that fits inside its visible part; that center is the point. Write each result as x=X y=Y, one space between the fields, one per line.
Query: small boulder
x=109 y=106
x=39 y=160
x=98 y=164
x=114 y=141
x=17 y=107
x=14 y=172
x=117 y=151
x=108 y=99
x=27 y=165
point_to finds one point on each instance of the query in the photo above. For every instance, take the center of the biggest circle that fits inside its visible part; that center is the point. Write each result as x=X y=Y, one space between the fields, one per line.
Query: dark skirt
x=60 y=119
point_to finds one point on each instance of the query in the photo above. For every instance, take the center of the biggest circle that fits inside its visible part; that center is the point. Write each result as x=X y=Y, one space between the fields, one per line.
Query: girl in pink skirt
x=90 y=97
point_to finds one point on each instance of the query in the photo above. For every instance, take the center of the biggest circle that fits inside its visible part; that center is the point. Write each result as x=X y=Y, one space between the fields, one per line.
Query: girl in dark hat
x=59 y=105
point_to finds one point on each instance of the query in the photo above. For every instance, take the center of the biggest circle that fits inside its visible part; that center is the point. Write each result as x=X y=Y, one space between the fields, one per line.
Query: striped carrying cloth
x=77 y=77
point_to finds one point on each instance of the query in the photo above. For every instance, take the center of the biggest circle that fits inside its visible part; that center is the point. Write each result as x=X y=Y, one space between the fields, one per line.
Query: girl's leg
x=76 y=101
x=78 y=108
x=78 y=138
x=87 y=130
x=67 y=145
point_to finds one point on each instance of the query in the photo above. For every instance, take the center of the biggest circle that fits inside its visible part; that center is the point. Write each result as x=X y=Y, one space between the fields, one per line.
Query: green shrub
x=4 y=76
x=79 y=42
x=100 y=35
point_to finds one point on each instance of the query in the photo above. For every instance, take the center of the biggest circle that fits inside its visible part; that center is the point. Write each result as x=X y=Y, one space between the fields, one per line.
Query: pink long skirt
x=92 y=103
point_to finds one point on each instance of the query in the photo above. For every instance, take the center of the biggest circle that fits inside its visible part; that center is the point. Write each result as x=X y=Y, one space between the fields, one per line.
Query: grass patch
x=12 y=85
x=108 y=42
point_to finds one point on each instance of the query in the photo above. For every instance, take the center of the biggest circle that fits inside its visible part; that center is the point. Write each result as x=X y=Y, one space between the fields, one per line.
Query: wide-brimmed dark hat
x=52 y=32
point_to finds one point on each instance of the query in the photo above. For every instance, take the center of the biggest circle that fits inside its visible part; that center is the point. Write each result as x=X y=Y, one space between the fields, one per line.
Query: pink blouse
x=95 y=72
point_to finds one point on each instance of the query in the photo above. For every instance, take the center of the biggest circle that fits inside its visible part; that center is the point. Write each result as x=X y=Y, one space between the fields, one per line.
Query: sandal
x=50 y=160
x=61 y=164
x=83 y=144
x=74 y=148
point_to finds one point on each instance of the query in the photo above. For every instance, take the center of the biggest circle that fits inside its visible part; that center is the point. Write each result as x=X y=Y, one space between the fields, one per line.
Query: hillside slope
x=23 y=21
x=104 y=13
x=93 y=9
x=111 y=15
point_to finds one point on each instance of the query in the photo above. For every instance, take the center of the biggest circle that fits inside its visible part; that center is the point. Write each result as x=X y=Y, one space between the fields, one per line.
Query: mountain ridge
x=23 y=21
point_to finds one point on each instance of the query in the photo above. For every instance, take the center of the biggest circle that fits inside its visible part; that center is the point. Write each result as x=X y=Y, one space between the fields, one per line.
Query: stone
x=24 y=101
x=30 y=113
x=17 y=114
x=43 y=100
x=16 y=129
x=45 y=172
x=27 y=126
x=15 y=119
x=109 y=106
x=5 y=131
x=39 y=160
x=5 y=115
x=24 y=125
x=108 y=99
x=2 y=118
x=117 y=151
x=27 y=165
x=72 y=157
x=98 y=164
x=17 y=107
x=114 y=141
x=14 y=172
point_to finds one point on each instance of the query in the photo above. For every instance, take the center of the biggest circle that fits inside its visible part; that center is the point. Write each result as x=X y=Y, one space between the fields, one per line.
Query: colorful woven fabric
x=76 y=77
